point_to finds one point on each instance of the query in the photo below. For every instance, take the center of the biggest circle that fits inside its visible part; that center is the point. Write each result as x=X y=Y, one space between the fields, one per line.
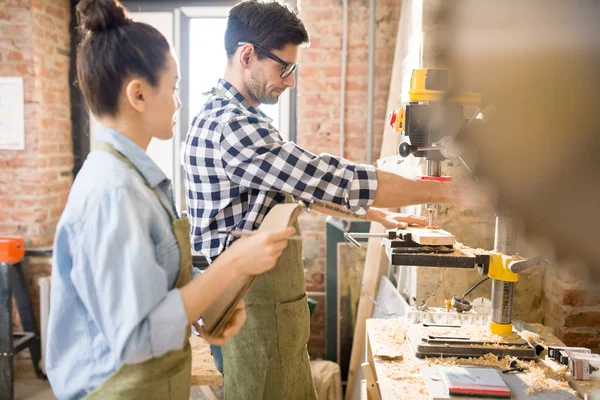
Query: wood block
x=432 y=237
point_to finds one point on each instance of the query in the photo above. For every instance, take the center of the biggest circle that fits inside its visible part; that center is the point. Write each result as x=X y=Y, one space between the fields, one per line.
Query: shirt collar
x=138 y=157
x=233 y=94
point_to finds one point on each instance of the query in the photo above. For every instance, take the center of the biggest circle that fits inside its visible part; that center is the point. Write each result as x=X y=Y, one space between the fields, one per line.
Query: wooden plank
x=431 y=237
x=351 y=263
x=372 y=390
x=376 y=265
x=376 y=261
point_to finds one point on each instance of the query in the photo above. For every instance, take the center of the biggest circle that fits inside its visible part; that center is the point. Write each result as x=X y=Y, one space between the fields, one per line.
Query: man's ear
x=246 y=53
x=134 y=93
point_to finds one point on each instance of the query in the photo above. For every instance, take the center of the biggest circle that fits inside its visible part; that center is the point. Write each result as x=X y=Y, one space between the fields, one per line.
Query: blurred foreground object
x=537 y=65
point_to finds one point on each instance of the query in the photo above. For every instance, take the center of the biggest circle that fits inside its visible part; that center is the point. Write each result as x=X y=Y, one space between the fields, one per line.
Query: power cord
x=475 y=286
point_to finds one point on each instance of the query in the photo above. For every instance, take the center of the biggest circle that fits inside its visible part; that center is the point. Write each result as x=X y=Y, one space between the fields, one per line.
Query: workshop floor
x=28 y=387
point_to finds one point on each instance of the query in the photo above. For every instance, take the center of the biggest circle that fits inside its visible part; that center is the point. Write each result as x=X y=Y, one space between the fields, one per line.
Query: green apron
x=268 y=358
x=166 y=377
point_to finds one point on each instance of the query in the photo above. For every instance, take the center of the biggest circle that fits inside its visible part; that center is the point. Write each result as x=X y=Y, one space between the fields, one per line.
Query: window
x=197 y=36
x=207 y=62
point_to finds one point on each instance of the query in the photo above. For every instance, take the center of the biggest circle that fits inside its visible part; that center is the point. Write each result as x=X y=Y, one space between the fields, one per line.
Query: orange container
x=12 y=249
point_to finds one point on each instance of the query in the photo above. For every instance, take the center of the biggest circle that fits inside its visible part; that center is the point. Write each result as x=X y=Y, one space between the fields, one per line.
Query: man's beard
x=258 y=90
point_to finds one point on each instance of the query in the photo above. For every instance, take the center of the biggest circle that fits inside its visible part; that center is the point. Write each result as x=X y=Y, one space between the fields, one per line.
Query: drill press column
x=503 y=280
x=502 y=295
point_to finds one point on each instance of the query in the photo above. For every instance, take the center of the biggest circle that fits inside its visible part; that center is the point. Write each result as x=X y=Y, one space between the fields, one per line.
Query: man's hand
x=392 y=220
x=233 y=326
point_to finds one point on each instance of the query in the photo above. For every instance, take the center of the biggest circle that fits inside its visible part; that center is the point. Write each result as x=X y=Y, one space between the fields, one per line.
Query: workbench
x=399 y=376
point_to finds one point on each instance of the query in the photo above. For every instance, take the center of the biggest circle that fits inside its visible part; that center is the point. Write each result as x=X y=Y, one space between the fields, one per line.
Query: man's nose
x=290 y=81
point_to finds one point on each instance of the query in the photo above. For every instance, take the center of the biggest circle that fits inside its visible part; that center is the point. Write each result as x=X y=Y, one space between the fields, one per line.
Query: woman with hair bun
x=123 y=298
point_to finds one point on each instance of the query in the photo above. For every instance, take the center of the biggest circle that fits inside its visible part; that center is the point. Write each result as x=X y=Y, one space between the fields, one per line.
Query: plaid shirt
x=237 y=167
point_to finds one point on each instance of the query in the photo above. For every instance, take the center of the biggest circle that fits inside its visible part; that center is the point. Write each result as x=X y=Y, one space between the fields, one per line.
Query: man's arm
x=397 y=191
x=254 y=156
x=388 y=219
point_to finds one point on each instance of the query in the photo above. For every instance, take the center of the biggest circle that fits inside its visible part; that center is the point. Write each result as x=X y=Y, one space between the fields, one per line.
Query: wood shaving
x=402 y=379
x=470 y=250
x=531 y=337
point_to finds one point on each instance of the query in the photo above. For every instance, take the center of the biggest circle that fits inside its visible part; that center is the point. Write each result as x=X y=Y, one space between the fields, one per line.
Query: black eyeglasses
x=286 y=68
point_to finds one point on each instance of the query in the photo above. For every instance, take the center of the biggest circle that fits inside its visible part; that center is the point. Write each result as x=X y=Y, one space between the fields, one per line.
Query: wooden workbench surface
x=204 y=372
x=402 y=379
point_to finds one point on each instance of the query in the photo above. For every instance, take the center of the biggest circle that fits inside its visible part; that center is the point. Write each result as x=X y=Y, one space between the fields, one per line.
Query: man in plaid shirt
x=237 y=167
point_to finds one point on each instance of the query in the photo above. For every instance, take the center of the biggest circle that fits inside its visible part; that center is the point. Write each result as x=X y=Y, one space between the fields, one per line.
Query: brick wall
x=319 y=86
x=572 y=305
x=35 y=182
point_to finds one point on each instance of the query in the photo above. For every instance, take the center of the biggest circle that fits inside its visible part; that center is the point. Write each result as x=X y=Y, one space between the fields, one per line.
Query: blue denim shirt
x=114 y=268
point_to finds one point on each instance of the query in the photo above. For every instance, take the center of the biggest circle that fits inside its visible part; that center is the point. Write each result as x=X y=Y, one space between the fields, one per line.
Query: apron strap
x=103 y=146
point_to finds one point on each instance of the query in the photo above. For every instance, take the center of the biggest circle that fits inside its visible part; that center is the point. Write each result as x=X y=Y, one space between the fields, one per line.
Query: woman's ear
x=134 y=93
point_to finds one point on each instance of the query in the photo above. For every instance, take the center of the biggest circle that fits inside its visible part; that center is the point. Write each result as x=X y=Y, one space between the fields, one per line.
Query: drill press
x=429 y=121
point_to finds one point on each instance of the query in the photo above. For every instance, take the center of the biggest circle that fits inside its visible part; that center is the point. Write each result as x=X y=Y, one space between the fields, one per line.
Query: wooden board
x=431 y=237
x=351 y=263
x=217 y=315
x=376 y=263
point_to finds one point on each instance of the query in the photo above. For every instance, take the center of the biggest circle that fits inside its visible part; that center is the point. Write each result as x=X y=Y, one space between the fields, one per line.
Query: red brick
x=24 y=69
x=29 y=216
x=15 y=56
x=6 y=203
x=588 y=339
x=580 y=298
x=14 y=31
x=583 y=319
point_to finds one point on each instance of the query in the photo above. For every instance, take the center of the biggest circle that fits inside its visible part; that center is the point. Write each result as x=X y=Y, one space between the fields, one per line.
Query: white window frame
x=182 y=13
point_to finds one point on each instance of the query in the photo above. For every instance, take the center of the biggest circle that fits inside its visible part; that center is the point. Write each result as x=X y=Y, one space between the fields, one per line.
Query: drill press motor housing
x=430 y=120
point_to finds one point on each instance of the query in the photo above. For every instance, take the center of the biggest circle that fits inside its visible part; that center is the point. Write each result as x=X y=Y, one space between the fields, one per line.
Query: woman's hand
x=233 y=326
x=258 y=253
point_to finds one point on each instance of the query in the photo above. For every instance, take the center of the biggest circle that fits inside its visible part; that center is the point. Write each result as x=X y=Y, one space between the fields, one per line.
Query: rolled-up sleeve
x=120 y=282
x=254 y=156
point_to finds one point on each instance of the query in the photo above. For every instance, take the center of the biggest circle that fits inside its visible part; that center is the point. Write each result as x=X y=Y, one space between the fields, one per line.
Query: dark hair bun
x=100 y=15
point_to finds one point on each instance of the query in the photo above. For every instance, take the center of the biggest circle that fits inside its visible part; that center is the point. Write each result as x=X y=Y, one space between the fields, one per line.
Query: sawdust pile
x=470 y=251
x=404 y=379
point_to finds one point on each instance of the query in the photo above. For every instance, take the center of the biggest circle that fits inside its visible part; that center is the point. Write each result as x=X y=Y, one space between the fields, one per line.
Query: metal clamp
x=351 y=237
